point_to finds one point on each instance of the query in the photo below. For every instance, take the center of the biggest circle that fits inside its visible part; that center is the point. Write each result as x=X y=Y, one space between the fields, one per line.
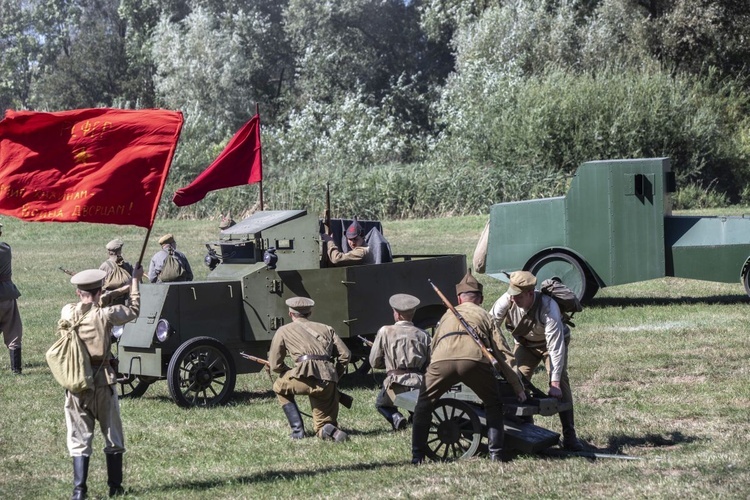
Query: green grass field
x=659 y=372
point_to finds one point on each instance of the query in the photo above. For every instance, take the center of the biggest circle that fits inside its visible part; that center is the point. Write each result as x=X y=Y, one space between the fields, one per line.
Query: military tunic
x=404 y=351
x=316 y=378
x=359 y=255
x=10 y=318
x=157 y=264
x=455 y=358
x=83 y=410
x=547 y=340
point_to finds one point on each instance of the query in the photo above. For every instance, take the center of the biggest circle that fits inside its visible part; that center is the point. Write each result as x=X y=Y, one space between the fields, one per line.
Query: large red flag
x=88 y=165
x=240 y=163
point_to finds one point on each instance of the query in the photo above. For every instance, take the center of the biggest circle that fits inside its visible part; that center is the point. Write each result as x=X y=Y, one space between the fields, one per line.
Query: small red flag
x=240 y=163
x=87 y=165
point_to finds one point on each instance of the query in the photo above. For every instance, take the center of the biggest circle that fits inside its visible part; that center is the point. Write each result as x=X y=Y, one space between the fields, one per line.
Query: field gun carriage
x=191 y=333
x=458 y=422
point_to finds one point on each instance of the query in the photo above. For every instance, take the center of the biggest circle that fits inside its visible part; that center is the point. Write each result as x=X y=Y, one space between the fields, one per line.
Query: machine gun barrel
x=470 y=330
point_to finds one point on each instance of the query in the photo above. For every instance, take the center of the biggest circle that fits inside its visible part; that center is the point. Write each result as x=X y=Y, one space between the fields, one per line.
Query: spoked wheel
x=455 y=431
x=201 y=373
x=569 y=270
x=132 y=386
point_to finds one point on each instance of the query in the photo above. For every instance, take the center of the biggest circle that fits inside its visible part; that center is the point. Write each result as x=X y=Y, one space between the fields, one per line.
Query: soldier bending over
x=540 y=335
x=457 y=358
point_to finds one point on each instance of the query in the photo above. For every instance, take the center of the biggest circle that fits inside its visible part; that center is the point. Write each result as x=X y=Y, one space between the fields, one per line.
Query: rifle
x=344 y=399
x=69 y=273
x=470 y=330
x=368 y=343
x=327 y=214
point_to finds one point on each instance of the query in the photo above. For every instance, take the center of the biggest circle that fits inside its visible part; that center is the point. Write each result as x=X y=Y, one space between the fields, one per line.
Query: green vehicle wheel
x=455 y=431
x=569 y=270
x=201 y=373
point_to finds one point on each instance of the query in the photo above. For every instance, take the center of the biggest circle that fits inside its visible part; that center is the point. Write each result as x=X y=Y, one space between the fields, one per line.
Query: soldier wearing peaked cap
x=169 y=264
x=320 y=360
x=355 y=237
x=83 y=410
x=10 y=318
x=404 y=351
x=539 y=334
x=119 y=273
x=455 y=358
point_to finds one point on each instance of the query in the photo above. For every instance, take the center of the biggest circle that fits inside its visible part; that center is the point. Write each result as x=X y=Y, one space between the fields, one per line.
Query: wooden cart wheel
x=201 y=373
x=455 y=431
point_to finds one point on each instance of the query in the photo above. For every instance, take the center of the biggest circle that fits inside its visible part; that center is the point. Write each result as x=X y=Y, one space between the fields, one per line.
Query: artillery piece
x=459 y=424
x=191 y=333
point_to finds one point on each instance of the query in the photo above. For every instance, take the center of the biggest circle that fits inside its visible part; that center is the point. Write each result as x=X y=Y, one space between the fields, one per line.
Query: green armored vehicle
x=615 y=226
x=192 y=333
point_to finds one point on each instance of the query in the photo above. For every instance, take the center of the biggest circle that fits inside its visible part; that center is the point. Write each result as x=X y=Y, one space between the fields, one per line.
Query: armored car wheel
x=201 y=373
x=455 y=431
x=569 y=270
x=131 y=386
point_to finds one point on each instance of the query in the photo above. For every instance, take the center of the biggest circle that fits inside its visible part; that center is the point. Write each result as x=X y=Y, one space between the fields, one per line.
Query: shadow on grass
x=616 y=443
x=665 y=301
x=271 y=476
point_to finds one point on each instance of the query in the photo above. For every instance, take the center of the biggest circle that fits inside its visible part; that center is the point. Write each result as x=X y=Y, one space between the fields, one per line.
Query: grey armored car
x=191 y=333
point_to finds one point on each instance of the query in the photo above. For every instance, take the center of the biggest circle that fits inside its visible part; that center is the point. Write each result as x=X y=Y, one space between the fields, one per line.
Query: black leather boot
x=330 y=431
x=15 y=361
x=295 y=420
x=80 y=475
x=570 y=441
x=419 y=432
x=393 y=417
x=114 y=474
x=495 y=436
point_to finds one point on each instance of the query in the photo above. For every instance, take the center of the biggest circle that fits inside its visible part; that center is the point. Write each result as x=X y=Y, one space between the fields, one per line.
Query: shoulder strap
x=527 y=322
x=317 y=336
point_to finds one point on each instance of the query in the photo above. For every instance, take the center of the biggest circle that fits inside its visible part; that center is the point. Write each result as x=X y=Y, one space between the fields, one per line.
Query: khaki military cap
x=468 y=284
x=403 y=302
x=302 y=305
x=89 y=279
x=167 y=238
x=521 y=281
x=114 y=245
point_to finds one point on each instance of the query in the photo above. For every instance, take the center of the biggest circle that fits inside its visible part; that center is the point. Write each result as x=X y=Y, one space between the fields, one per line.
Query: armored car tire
x=131 y=386
x=201 y=373
x=569 y=270
x=455 y=431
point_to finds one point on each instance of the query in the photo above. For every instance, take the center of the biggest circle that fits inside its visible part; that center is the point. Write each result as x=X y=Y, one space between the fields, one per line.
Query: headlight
x=117 y=331
x=163 y=330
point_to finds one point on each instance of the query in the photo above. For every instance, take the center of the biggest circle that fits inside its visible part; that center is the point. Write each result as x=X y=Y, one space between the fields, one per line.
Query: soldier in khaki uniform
x=83 y=410
x=314 y=347
x=540 y=335
x=404 y=351
x=10 y=318
x=359 y=253
x=455 y=358
x=119 y=273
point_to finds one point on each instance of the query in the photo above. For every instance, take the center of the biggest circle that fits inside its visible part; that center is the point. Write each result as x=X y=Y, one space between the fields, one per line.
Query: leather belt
x=404 y=371
x=314 y=357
